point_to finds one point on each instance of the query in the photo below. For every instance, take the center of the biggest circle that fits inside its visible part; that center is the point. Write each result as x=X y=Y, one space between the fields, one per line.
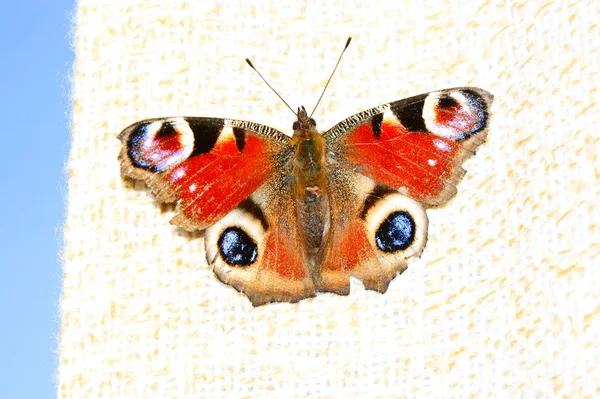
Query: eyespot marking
x=447 y=101
x=396 y=232
x=158 y=145
x=455 y=115
x=395 y=224
x=236 y=247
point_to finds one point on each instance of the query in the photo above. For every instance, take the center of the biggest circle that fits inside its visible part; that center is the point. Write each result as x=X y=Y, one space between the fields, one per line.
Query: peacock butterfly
x=287 y=217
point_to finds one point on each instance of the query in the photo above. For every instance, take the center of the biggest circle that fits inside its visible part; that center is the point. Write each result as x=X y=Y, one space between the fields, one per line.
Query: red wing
x=208 y=165
x=415 y=145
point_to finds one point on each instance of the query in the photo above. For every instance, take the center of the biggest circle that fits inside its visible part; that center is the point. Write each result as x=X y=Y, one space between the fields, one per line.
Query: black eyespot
x=396 y=233
x=296 y=125
x=237 y=248
x=447 y=101
x=312 y=122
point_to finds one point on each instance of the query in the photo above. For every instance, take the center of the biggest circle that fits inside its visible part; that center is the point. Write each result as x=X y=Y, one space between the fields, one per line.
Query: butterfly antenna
x=270 y=87
x=331 y=76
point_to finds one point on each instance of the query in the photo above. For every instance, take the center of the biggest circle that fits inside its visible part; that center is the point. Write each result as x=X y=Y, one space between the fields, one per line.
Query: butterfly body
x=287 y=217
x=310 y=183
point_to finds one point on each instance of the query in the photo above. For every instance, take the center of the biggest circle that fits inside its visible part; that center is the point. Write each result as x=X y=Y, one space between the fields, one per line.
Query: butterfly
x=287 y=217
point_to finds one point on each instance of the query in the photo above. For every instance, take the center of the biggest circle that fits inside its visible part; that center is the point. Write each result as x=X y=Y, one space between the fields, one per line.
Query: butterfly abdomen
x=310 y=187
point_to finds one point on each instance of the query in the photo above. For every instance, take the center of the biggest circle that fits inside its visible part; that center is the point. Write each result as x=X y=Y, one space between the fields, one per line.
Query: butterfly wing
x=386 y=165
x=207 y=165
x=235 y=178
x=373 y=231
x=257 y=249
x=415 y=145
x=231 y=178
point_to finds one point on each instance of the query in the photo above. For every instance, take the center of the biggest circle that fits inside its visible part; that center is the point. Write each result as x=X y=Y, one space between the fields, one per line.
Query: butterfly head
x=304 y=122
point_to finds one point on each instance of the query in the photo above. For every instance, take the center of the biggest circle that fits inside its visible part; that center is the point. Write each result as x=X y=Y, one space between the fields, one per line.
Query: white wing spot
x=441 y=145
x=179 y=174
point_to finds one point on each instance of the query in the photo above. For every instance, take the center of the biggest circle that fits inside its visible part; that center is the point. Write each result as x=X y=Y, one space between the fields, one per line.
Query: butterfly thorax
x=310 y=181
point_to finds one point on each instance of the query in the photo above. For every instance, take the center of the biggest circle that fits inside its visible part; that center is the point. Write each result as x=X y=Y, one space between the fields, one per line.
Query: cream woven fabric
x=504 y=302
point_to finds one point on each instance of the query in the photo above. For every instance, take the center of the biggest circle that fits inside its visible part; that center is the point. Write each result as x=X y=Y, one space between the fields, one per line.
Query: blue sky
x=36 y=62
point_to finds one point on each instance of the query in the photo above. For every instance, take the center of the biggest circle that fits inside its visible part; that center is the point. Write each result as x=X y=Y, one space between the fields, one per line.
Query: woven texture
x=505 y=300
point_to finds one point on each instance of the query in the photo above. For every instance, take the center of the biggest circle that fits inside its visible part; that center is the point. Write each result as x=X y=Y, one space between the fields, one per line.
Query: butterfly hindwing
x=415 y=145
x=373 y=231
x=257 y=249
x=207 y=165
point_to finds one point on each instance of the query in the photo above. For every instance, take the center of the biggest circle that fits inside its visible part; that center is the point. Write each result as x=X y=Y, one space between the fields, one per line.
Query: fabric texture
x=505 y=300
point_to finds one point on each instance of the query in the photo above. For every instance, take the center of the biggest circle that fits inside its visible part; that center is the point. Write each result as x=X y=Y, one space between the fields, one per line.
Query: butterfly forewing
x=415 y=145
x=207 y=165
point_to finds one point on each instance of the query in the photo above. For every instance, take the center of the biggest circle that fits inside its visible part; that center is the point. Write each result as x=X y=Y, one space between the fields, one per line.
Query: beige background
x=504 y=302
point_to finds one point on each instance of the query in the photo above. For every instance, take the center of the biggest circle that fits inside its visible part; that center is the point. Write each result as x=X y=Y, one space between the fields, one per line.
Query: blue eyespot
x=396 y=233
x=237 y=248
